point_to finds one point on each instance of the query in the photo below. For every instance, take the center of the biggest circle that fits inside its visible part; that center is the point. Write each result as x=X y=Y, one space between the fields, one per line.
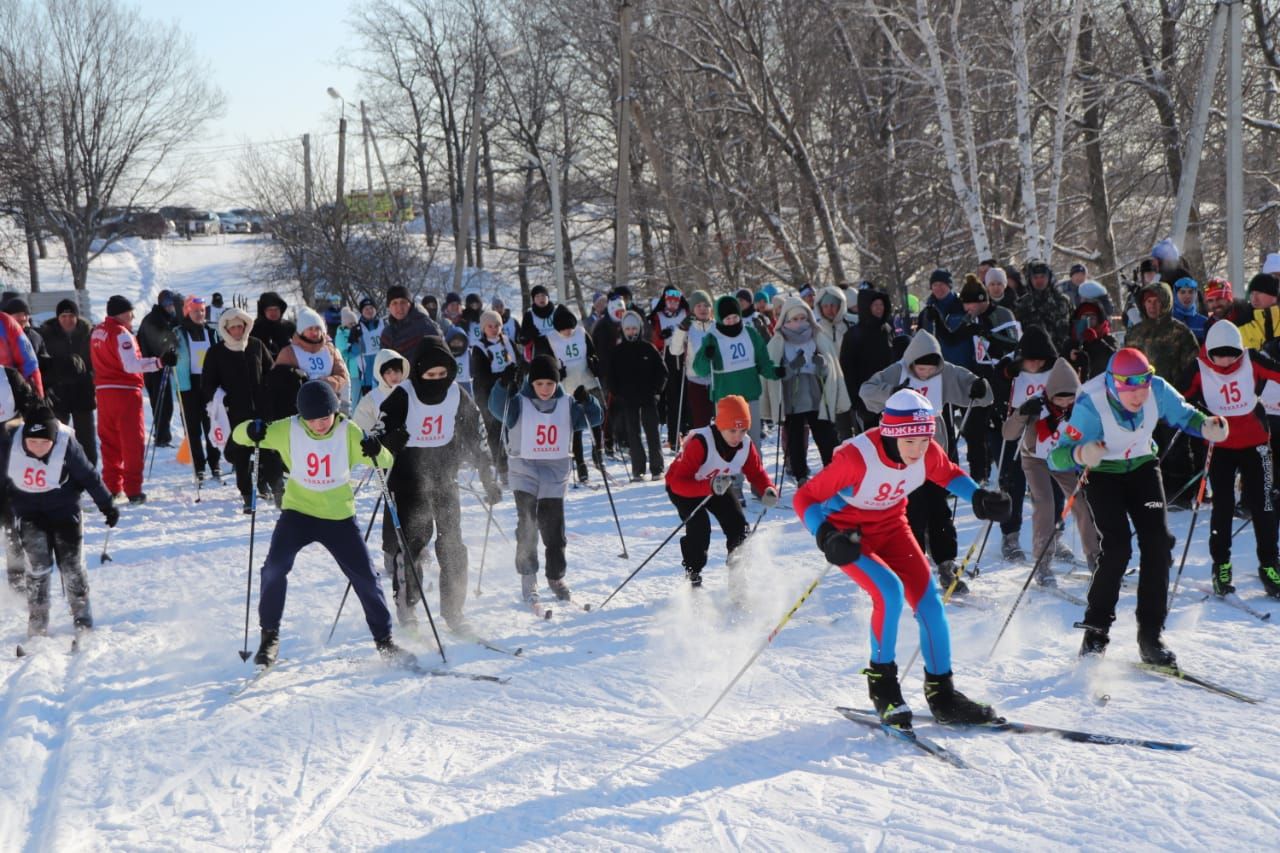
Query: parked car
x=233 y=224
x=146 y=224
x=202 y=222
x=256 y=219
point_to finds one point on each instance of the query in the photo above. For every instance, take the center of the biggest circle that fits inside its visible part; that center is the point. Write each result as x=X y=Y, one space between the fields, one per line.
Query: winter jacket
x=867 y=348
x=240 y=369
x=69 y=376
x=684 y=345
x=825 y=367
x=542 y=478
x=350 y=353
x=943 y=319
x=1167 y=343
x=488 y=360
x=662 y=326
x=575 y=372
x=1258 y=326
x=1192 y=319
x=337 y=376
x=744 y=382
x=681 y=475
x=1048 y=309
x=605 y=336
x=1062 y=379
x=1248 y=429
x=405 y=335
x=333 y=504
x=536 y=324
x=833 y=331
x=186 y=333
x=23 y=397
x=368 y=414
x=275 y=334
x=157 y=333
x=637 y=371
x=1091 y=342
x=57 y=505
x=367 y=336
x=114 y=354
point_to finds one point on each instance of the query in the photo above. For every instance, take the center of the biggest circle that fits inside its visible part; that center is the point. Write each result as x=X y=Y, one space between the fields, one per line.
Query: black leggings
x=697 y=529
x=824 y=435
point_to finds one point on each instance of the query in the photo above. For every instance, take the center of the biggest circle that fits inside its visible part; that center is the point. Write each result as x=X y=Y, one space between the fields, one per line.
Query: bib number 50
x=546 y=435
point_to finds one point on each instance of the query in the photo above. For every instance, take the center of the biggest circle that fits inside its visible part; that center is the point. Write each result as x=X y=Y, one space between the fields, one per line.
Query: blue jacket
x=507 y=409
x=946 y=320
x=183 y=368
x=1193 y=319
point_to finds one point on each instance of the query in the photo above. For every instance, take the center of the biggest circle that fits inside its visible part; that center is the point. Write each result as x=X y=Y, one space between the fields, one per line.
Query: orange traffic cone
x=184 y=452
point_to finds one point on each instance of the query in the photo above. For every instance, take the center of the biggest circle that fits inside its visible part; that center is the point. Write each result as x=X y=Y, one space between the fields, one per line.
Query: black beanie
x=17 y=305
x=40 y=422
x=727 y=305
x=1264 y=283
x=397 y=291
x=563 y=319
x=1036 y=344
x=538 y=289
x=67 y=306
x=118 y=305
x=433 y=352
x=972 y=290
x=544 y=367
x=942 y=275
x=316 y=399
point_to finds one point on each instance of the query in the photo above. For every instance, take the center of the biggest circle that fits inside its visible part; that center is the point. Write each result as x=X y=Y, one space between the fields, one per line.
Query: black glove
x=1031 y=408
x=580 y=395
x=989 y=505
x=492 y=493
x=394 y=439
x=818 y=361
x=257 y=430
x=301 y=374
x=686 y=324
x=841 y=547
x=77 y=365
x=169 y=358
x=978 y=389
x=112 y=515
x=780 y=370
x=666 y=333
x=354 y=335
x=508 y=377
x=370 y=446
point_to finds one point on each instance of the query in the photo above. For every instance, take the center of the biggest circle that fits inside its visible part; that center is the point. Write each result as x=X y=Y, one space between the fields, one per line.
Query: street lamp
x=333 y=93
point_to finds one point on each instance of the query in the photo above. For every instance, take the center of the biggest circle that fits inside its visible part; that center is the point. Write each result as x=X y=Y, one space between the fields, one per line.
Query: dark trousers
x=161 y=403
x=536 y=517
x=579 y=457
x=45 y=542
x=1114 y=499
x=675 y=412
x=197 y=421
x=295 y=531
x=497 y=448
x=977 y=426
x=697 y=528
x=1012 y=478
x=642 y=415
x=697 y=403
x=929 y=514
x=1177 y=467
x=1256 y=480
x=81 y=420
x=615 y=423
x=424 y=513
x=15 y=561
x=824 y=435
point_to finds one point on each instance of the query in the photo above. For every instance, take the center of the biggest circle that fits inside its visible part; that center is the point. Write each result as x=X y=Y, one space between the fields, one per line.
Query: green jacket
x=334 y=504
x=745 y=382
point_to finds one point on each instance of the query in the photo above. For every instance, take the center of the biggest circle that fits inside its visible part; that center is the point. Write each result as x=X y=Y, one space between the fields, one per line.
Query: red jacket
x=1249 y=429
x=16 y=352
x=116 y=362
x=680 y=475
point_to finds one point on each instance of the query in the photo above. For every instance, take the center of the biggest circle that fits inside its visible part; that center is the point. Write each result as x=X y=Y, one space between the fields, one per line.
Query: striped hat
x=907 y=414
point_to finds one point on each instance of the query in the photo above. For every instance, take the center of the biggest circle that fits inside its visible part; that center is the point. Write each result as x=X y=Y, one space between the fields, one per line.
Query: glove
x=1215 y=429
x=370 y=446
x=301 y=374
x=686 y=324
x=77 y=365
x=492 y=493
x=780 y=370
x=711 y=345
x=990 y=505
x=769 y=498
x=508 y=377
x=169 y=358
x=666 y=333
x=840 y=547
x=354 y=334
x=721 y=484
x=978 y=389
x=1089 y=454
x=257 y=430
x=112 y=515
x=580 y=395
x=799 y=359
x=819 y=362
x=1031 y=408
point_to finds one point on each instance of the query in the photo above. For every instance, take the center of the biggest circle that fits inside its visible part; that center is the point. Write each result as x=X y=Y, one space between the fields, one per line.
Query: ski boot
x=1062 y=552
x=529 y=588
x=886 y=694
x=138 y=499
x=268 y=649
x=560 y=588
x=1270 y=580
x=1221 y=576
x=694 y=576
x=393 y=655
x=951 y=707
x=1010 y=549
x=1095 y=641
x=1045 y=577
x=947 y=574
x=215 y=472
x=1153 y=651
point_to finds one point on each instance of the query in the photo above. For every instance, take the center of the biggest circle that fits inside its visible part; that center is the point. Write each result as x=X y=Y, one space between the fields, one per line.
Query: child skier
x=45 y=472
x=855 y=507
x=431 y=425
x=16 y=396
x=572 y=347
x=1228 y=382
x=538 y=421
x=390 y=369
x=491 y=359
x=718 y=450
x=685 y=343
x=456 y=339
x=319 y=447
x=1109 y=436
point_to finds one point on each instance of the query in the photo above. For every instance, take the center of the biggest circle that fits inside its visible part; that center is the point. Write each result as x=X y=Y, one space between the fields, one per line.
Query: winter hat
x=761 y=296
x=493 y=317
x=308 y=317
x=217 y=300
x=743 y=293
x=395 y=361
x=942 y=275
x=806 y=289
x=672 y=292
x=1036 y=344
x=1186 y=283
x=1271 y=265
x=430 y=299
x=732 y=412
x=451 y=297
x=727 y=306
x=349 y=317
x=1038 y=267
x=316 y=399
x=67 y=306
x=397 y=291
x=1148 y=265
x=829 y=295
x=366 y=302
x=539 y=290
x=907 y=414
x=699 y=297
x=1130 y=362
x=1166 y=251
x=1217 y=288
x=1063 y=379
x=632 y=320
x=474 y=300
x=1224 y=339
x=1264 y=283
x=544 y=367
x=562 y=318
x=621 y=292
x=995 y=275
x=118 y=305
x=432 y=352
x=165 y=299
x=1091 y=291
x=39 y=422
x=232 y=317
x=16 y=305
x=1078 y=268
x=616 y=306
x=973 y=290
x=191 y=302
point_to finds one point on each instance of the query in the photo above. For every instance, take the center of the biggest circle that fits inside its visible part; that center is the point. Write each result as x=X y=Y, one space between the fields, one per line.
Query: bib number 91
x=317 y=463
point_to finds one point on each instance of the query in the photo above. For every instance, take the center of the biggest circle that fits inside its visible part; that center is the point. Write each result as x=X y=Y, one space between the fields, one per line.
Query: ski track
x=596 y=743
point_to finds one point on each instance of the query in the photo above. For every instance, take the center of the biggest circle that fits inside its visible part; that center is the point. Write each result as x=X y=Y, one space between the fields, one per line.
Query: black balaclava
x=432 y=352
x=725 y=306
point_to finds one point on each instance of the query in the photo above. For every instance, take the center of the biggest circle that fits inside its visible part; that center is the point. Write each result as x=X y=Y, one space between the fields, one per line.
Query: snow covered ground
x=137 y=743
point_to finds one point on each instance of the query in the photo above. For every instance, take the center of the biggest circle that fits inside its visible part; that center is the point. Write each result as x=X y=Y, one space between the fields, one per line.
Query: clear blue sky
x=272 y=60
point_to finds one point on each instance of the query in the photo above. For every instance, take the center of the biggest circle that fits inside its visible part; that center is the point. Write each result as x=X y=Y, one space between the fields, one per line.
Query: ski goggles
x=1140 y=380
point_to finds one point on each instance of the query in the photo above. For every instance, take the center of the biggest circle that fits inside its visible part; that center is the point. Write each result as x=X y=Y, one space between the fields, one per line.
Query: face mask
x=431 y=390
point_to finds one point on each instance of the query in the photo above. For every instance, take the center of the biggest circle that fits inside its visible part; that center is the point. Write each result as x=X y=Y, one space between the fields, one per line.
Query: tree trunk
x=489 y=192
x=420 y=164
x=1093 y=96
x=526 y=214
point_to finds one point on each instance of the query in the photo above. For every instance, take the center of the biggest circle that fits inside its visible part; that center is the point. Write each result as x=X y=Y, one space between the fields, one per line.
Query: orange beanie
x=732 y=412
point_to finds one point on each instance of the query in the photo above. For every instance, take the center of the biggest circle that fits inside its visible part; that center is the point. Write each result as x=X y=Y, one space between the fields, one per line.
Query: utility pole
x=386 y=181
x=340 y=207
x=368 y=166
x=468 y=192
x=306 y=170
x=621 y=262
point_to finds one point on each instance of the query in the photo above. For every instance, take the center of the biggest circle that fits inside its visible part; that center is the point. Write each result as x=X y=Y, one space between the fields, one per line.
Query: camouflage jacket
x=1049 y=309
x=1168 y=344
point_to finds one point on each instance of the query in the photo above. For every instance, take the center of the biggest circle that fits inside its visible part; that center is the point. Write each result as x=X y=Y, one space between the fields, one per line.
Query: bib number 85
x=888 y=492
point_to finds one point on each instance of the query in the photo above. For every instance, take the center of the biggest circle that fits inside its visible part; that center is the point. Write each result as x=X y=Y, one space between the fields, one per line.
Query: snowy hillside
x=137 y=743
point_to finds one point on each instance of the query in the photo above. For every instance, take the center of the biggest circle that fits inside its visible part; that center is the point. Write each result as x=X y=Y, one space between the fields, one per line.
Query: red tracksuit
x=117 y=371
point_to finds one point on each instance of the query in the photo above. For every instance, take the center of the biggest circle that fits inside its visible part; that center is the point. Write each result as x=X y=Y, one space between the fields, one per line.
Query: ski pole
x=684 y=363
x=484 y=550
x=367 y=530
x=604 y=475
x=715 y=490
x=104 y=557
x=1195 y=511
x=408 y=555
x=1044 y=552
x=1242 y=526
x=155 y=417
x=1185 y=486
x=955 y=582
x=769 y=639
x=488 y=509
x=253 y=525
x=182 y=413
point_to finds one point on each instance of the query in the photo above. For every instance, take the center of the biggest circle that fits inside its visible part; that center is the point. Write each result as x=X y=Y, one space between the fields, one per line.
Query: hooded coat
x=275 y=334
x=156 y=331
x=709 y=360
x=637 y=371
x=1169 y=345
x=1062 y=379
x=868 y=346
x=833 y=395
x=367 y=414
x=833 y=331
x=240 y=369
x=1049 y=309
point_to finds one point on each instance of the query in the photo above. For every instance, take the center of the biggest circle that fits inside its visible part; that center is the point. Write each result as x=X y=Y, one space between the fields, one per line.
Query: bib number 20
x=737 y=351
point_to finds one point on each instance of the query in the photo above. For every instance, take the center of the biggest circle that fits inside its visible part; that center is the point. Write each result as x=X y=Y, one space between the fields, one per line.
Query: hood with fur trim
x=229 y=317
x=381 y=360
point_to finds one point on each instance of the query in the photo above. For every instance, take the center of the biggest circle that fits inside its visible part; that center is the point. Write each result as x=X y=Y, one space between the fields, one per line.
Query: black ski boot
x=268 y=649
x=1270 y=580
x=947 y=572
x=560 y=588
x=1095 y=641
x=395 y=656
x=1153 y=650
x=886 y=694
x=951 y=707
x=694 y=576
x=1222 y=579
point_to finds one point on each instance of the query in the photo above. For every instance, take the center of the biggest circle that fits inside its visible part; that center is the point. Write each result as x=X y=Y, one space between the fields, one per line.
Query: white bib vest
x=1122 y=443
x=572 y=351
x=316 y=365
x=198 y=351
x=219 y=420
x=714 y=466
x=883 y=487
x=670 y=322
x=1045 y=446
x=545 y=326
x=432 y=425
x=735 y=353
x=691 y=348
x=546 y=435
x=32 y=475
x=1231 y=393
x=1026 y=386
x=319 y=464
x=475 y=334
x=464 y=366
x=370 y=339
x=930 y=389
x=499 y=354
x=8 y=406
x=1271 y=398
